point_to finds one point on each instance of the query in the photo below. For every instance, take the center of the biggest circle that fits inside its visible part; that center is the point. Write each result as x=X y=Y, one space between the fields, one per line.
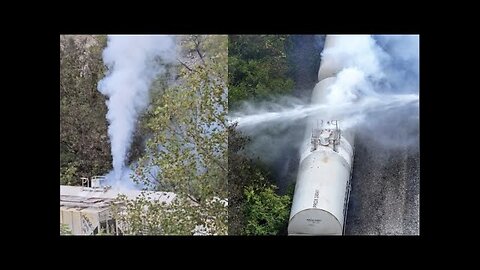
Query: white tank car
x=323 y=183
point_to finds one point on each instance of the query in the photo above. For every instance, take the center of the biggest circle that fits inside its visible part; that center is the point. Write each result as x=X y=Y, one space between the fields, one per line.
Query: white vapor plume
x=358 y=51
x=133 y=63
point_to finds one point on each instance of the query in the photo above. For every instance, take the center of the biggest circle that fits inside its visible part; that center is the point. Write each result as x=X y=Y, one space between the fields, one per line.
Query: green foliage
x=84 y=146
x=254 y=206
x=257 y=67
x=188 y=143
x=266 y=212
x=189 y=124
x=64 y=229
x=139 y=216
x=103 y=232
x=182 y=217
x=241 y=173
x=68 y=174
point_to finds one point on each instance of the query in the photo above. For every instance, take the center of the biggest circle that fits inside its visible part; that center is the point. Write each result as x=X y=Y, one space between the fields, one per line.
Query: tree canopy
x=257 y=67
x=84 y=143
x=187 y=145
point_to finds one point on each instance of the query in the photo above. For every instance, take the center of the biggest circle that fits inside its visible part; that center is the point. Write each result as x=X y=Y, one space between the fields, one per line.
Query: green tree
x=242 y=172
x=257 y=67
x=254 y=206
x=188 y=145
x=266 y=212
x=84 y=146
x=65 y=230
x=84 y=142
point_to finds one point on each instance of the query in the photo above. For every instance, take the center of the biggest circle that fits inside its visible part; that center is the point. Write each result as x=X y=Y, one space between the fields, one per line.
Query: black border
x=42 y=134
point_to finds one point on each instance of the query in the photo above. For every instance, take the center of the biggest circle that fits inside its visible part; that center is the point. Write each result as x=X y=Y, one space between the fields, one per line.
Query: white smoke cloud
x=358 y=51
x=380 y=79
x=133 y=63
x=403 y=64
x=349 y=86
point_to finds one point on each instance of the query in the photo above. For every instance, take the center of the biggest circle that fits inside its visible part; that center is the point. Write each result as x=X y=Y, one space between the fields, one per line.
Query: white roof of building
x=83 y=197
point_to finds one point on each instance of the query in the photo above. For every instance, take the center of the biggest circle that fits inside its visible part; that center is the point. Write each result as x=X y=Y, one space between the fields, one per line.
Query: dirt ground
x=385 y=194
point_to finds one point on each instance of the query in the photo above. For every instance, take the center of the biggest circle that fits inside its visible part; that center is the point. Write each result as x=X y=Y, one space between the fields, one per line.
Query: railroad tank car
x=322 y=188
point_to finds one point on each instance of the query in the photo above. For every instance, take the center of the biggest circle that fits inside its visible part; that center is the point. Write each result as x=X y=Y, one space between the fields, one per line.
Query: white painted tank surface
x=322 y=188
x=330 y=65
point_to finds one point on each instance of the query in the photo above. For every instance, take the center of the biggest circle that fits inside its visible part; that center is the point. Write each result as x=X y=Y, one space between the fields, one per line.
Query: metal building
x=86 y=210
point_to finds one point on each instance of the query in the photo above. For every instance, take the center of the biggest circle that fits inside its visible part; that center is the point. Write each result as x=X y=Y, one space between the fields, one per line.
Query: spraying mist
x=133 y=63
x=381 y=75
x=351 y=112
x=376 y=93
